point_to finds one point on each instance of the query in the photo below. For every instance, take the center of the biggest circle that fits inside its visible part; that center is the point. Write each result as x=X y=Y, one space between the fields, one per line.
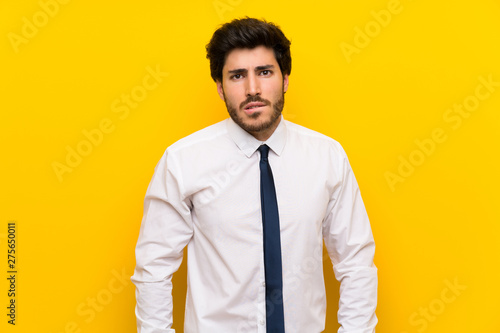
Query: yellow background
x=77 y=233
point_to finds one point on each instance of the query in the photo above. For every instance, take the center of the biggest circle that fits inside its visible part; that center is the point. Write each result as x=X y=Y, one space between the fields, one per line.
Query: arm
x=349 y=241
x=166 y=229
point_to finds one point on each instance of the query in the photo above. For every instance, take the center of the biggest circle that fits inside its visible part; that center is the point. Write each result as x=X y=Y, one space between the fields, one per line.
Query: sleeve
x=350 y=245
x=166 y=229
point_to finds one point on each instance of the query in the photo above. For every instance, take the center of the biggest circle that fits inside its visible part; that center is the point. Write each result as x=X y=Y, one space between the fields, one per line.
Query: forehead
x=249 y=58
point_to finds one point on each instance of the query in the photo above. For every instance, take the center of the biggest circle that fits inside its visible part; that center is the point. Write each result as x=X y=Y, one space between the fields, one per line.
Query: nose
x=252 y=85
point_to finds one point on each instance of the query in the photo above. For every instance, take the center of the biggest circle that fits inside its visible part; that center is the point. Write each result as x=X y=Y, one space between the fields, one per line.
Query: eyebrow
x=244 y=70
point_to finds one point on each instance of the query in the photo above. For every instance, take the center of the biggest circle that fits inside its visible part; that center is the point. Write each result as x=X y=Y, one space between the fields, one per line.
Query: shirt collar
x=248 y=144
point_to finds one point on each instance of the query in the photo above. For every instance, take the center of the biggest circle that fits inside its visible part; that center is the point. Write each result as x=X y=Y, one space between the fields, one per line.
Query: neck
x=265 y=134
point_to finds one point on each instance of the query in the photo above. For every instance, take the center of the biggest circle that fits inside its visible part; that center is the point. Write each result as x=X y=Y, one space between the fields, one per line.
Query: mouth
x=254 y=106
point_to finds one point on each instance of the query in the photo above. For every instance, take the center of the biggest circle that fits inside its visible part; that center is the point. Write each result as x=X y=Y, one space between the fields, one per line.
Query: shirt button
x=262 y=322
x=263 y=283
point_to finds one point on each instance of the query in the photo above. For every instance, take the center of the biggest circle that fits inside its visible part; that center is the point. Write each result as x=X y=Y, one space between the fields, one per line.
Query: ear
x=285 y=83
x=220 y=89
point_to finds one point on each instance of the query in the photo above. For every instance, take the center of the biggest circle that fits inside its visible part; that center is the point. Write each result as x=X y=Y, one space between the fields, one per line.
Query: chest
x=226 y=196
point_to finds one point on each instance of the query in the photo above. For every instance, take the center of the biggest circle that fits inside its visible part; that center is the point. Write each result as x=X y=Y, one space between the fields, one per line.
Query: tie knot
x=264 y=152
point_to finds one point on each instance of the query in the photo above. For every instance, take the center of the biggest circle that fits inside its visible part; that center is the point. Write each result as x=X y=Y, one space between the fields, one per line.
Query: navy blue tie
x=275 y=321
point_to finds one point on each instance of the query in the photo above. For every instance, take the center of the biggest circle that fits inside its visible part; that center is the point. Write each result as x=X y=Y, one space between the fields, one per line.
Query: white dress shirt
x=205 y=194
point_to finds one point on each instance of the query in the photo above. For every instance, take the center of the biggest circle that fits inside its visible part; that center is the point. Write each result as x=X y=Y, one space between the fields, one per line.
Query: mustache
x=251 y=99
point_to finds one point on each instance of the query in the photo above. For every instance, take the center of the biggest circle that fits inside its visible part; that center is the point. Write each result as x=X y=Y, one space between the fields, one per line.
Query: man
x=253 y=197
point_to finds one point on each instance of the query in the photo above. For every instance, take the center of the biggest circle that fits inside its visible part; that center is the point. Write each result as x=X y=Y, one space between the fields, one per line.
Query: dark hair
x=247 y=33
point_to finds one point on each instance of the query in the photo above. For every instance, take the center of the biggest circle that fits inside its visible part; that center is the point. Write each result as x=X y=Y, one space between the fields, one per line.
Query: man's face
x=253 y=89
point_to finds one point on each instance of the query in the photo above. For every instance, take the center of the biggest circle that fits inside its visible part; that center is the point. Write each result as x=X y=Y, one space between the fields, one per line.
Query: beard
x=265 y=123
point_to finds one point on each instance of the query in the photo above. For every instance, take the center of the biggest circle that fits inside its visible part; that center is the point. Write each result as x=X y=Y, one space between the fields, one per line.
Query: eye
x=235 y=77
x=266 y=72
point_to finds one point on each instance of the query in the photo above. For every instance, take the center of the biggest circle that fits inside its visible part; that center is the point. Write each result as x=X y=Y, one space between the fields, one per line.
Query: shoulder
x=200 y=138
x=311 y=138
x=193 y=149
